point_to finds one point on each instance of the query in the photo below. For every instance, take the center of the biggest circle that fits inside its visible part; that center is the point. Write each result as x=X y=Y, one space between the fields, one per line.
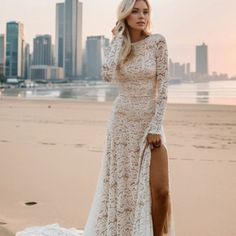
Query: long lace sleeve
x=162 y=86
x=111 y=56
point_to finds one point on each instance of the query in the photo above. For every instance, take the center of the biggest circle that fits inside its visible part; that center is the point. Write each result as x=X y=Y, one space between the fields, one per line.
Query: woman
x=133 y=192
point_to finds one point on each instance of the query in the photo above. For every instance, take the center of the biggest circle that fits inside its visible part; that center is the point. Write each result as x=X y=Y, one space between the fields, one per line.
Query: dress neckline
x=142 y=40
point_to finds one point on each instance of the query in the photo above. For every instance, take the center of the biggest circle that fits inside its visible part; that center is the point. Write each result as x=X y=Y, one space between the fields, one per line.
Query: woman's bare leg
x=159 y=185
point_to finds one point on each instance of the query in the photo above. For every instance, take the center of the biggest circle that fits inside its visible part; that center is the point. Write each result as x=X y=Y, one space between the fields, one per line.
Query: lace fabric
x=159 y=44
x=111 y=57
x=122 y=202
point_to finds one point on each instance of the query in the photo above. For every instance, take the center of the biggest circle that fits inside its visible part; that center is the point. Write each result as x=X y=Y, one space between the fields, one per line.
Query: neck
x=136 y=36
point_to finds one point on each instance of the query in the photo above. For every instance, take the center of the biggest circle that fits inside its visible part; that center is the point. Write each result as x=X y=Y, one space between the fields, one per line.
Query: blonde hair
x=124 y=10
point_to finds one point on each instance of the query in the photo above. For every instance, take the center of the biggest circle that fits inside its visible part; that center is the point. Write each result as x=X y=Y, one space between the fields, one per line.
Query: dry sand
x=50 y=153
x=5 y=232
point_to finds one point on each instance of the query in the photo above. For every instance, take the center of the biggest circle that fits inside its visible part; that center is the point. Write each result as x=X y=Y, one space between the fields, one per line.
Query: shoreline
x=73 y=100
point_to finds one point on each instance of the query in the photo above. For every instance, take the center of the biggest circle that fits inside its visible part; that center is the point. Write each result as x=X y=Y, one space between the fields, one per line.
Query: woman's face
x=138 y=18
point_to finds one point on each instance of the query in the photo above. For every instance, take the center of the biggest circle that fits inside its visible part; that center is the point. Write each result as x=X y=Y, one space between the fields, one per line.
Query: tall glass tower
x=42 y=54
x=59 y=39
x=2 y=54
x=95 y=46
x=72 y=39
x=15 y=50
x=27 y=61
x=202 y=59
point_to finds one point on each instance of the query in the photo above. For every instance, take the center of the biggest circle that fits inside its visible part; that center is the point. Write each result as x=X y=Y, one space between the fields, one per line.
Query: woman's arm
x=162 y=78
x=111 y=56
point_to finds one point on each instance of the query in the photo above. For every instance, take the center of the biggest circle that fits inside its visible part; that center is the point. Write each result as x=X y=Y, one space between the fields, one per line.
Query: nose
x=141 y=15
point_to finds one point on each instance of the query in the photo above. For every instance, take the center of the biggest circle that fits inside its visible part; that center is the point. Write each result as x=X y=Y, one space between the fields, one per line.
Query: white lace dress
x=122 y=202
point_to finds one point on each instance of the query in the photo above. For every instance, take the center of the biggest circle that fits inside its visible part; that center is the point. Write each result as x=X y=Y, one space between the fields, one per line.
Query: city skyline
x=207 y=24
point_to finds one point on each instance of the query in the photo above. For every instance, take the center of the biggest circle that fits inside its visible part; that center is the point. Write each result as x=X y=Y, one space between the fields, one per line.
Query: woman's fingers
x=158 y=140
x=154 y=139
x=158 y=144
x=113 y=31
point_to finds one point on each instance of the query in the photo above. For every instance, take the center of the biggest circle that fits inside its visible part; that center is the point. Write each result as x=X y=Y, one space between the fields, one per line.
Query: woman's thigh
x=159 y=170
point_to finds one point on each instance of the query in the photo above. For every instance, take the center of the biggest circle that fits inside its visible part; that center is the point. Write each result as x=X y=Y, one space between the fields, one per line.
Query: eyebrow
x=138 y=8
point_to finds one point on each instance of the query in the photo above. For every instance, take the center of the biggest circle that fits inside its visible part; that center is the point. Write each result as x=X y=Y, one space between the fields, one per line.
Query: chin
x=139 y=28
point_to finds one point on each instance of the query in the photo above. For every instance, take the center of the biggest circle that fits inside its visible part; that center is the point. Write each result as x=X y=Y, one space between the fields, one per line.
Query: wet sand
x=50 y=155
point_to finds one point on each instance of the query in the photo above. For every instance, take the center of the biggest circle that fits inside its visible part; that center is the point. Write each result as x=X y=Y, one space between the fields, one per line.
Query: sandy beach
x=51 y=151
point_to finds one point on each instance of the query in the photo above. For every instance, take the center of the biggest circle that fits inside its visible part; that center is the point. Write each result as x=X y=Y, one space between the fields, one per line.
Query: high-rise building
x=42 y=52
x=43 y=60
x=187 y=68
x=53 y=55
x=179 y=70
x=202 y=59
x=84 y=65
x=95 y=46
x=176 y=69
x=59 y=39
x=27 y=61
x=15 y=50
x=171 y=68
x=72 y=39
x=2 y=54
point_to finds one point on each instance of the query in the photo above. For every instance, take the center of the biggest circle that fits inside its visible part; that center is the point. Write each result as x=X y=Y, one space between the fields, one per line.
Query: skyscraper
x=59 y=39
x=188 y=68
x=202 y=59
x=42 y=52
x=2 y=54
x=27 y=61
x=15 y=50
x=72 y=39
x=95 y=46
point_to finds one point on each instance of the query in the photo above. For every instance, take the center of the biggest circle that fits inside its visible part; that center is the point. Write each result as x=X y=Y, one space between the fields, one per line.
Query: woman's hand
x=154 y=139
x=120 y=30
x=113 y=31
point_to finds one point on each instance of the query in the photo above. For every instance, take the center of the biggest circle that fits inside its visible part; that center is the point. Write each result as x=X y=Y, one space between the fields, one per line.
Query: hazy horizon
x=184 y=25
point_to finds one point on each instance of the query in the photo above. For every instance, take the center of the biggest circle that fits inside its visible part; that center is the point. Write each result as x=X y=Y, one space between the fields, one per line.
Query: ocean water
x=213 y=92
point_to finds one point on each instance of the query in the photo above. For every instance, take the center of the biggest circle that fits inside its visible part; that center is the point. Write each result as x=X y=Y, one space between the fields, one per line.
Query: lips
x=141 y=23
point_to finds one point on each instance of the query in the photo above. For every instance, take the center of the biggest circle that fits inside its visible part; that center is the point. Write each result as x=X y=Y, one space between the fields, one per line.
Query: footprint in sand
x=187 y=159
x=95 y=150
x=49 y=143
x=4 y=141
x=206 y=160
x=202 y=146
x=232 y=161
x=79 y=145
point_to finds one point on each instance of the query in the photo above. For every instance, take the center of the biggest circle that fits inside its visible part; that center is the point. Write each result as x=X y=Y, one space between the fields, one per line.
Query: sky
x=184 y=23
